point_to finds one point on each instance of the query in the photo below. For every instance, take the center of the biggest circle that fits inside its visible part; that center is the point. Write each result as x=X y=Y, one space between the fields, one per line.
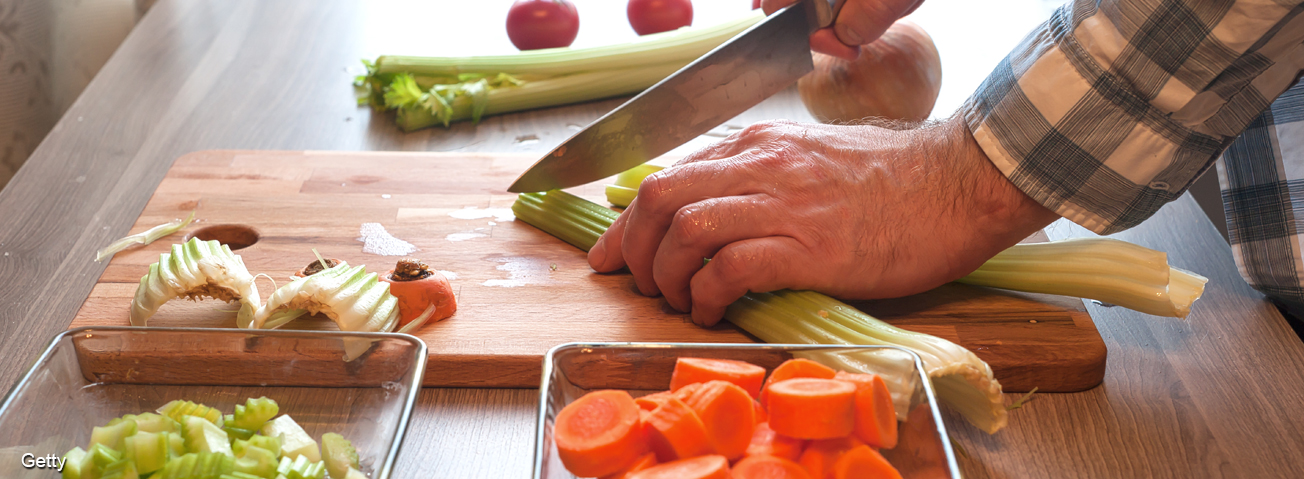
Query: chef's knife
x=728 y=80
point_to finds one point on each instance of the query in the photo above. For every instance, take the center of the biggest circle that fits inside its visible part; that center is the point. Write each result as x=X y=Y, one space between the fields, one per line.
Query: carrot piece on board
x=810 y=408
x=699 y=370
x=599 y=433
x=863 y=462
x=768 y=467
x=728 y=414
x=643 y=462
x=702 y=467
x=766 y=442
x=796 y=368
x=822 y=455
x=759 y=413
x=876 y=421
x=675 y=432
x=417 y=287
x=651 y=401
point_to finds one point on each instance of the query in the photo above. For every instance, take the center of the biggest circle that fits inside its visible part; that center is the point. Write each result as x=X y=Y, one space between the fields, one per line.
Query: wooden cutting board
x=520 y=291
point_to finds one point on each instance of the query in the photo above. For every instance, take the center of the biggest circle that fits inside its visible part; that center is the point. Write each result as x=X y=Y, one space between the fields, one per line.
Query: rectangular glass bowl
x=89 y=376
x=572 y=370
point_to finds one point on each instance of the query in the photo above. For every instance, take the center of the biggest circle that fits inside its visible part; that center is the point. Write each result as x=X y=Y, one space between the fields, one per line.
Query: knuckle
x=687 y=227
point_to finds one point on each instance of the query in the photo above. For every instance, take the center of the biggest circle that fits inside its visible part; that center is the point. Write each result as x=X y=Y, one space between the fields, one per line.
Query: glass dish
x=88 y=376
x=571 y=370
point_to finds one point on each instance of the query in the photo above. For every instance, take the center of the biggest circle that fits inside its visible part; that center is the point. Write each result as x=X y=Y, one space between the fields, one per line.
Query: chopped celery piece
x=113 y=435
x=178 y=409
x=72 y=463
x=295 y=441
x=176 y=443
x=149 y=450
x=236 y=433
x=203 y=436
x=338 y=454
x=197 y=465
x=195 y=269
x=122 y=469
x=254 y=413
x=353 y=474
x=301 y=468
x=150 y=422
x=270 y=443
x=102 y=456
x=240 y=475
x=256 y=461
x=146 y=237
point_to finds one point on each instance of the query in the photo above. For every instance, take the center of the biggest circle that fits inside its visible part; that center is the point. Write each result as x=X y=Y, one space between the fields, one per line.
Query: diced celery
x=254 y=413
x=178 y=409
x=257 y=461
x=72 y=463
x=150 y=422
x=294 y=440
x=239 y=475
x=122 y=469
x=102 y=456
x=338 y=454
x=258 y=440
x=354 y=474
x=197 y=465
x=176 y=443
x=149 y=450
x=236 y=433
x=203 y=436
x=113 y=435
x=301 y=468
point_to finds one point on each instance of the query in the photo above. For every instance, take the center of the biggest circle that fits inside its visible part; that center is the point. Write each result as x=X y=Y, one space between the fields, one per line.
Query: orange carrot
x=644 y=462
x=822 y=455
x=703 y=467
x=760 y=415
x=727 y=412
x=876 y=422
x=766 y=442
x=699 y=370
x=600 y=433
x=863 y=462
x=675 y=432
x=796 y=368
x=768 y=467
x=417 y=287
x=811 y=408
x=651 y=401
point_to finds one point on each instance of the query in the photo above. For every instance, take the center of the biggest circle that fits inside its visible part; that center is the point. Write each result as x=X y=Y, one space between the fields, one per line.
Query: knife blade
x=725 y=82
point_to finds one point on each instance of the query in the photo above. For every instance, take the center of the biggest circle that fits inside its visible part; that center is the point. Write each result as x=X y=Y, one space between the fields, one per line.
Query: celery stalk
x=145 y=237
x=620 y=196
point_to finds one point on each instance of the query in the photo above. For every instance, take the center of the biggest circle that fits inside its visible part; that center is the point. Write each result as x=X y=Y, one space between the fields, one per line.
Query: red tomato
x=653 y=16
x=535 y=24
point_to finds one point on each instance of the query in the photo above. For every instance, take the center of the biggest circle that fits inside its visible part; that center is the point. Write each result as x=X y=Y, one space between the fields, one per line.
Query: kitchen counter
x=1220 y=394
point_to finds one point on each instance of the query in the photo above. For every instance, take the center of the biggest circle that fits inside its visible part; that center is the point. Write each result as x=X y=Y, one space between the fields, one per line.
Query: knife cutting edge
x=725 y=82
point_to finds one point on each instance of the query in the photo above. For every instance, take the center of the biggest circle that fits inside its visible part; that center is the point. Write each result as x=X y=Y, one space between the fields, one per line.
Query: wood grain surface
x=520 y=292
x=1216 y=395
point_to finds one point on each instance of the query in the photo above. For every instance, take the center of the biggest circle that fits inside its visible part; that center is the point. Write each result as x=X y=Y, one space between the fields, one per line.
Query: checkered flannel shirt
x=1112 y=108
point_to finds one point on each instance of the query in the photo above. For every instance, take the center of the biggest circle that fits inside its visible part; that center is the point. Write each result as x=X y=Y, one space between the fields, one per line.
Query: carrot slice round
x=863 y=462
x=728 y=414
x=822 y=455
x=675 y=432
x=703 y=467
x=643 y=462
x=766 y=442
x=796 y=368
x=768 y=467
x=651 y=401
x=600 y=433
x=759 y=413
x=700 y=370
x=876 y=421
x=809 y=408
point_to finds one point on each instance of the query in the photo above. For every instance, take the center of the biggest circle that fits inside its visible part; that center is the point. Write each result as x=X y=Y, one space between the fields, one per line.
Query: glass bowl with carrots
x=699 y=411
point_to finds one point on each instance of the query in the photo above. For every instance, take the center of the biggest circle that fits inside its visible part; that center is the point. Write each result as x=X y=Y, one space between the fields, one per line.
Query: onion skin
x=896 y=77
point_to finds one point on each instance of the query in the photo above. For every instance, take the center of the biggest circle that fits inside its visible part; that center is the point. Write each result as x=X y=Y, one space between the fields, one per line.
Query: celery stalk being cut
x=427 y=91
x=627 y=182
x=961 y=380
x=196 y=269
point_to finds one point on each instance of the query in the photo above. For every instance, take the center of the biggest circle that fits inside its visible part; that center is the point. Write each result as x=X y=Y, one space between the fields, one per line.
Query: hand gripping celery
x=195 y=270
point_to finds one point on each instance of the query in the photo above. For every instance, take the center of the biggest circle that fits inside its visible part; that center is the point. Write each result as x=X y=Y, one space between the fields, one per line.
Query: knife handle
x=826 y=11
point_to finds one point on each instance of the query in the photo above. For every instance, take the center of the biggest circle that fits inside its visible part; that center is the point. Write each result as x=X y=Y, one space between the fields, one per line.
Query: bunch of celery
x=425 y=91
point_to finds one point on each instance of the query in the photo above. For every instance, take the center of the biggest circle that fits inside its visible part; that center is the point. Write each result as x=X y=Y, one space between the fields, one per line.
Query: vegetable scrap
x=144 y=237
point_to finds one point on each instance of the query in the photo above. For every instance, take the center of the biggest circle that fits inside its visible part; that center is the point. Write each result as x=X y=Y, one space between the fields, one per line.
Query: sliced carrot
x=675 y=432
x=759 y=413
x=599 y=433
x=766 y=442
x=810 y=408
x=699 y=370
x=702 y=467
x=822 y=455
x=651 y=401
x=768 y=467
x=876 y=421
x=728 y=414
x=796 y=368
x=644 y=462
x=863 y=462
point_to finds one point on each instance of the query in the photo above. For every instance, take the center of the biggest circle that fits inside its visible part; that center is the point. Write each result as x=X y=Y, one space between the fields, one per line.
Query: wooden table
x=1220 y=394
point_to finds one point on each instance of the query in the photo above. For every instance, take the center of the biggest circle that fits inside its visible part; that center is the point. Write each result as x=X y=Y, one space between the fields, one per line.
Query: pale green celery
x=355 y=299
x=196 y=269
x=620 y=195
x=254 y=413
x=145 y=237
x=683 y=45
x=633 y=177
x=1103 y=269
x=418 y=321
x=961 y=380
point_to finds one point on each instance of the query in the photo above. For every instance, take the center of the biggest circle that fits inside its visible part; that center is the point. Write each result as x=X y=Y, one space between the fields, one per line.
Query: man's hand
x=859 y=23
x=857 y=212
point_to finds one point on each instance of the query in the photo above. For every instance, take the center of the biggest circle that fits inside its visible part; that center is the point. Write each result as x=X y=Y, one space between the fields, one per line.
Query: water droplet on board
x=464 y=236
x=448 y=274
x=385 y=196
x=521 y=271
x=473 y=213
x=378 y=241
x=527 y=139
